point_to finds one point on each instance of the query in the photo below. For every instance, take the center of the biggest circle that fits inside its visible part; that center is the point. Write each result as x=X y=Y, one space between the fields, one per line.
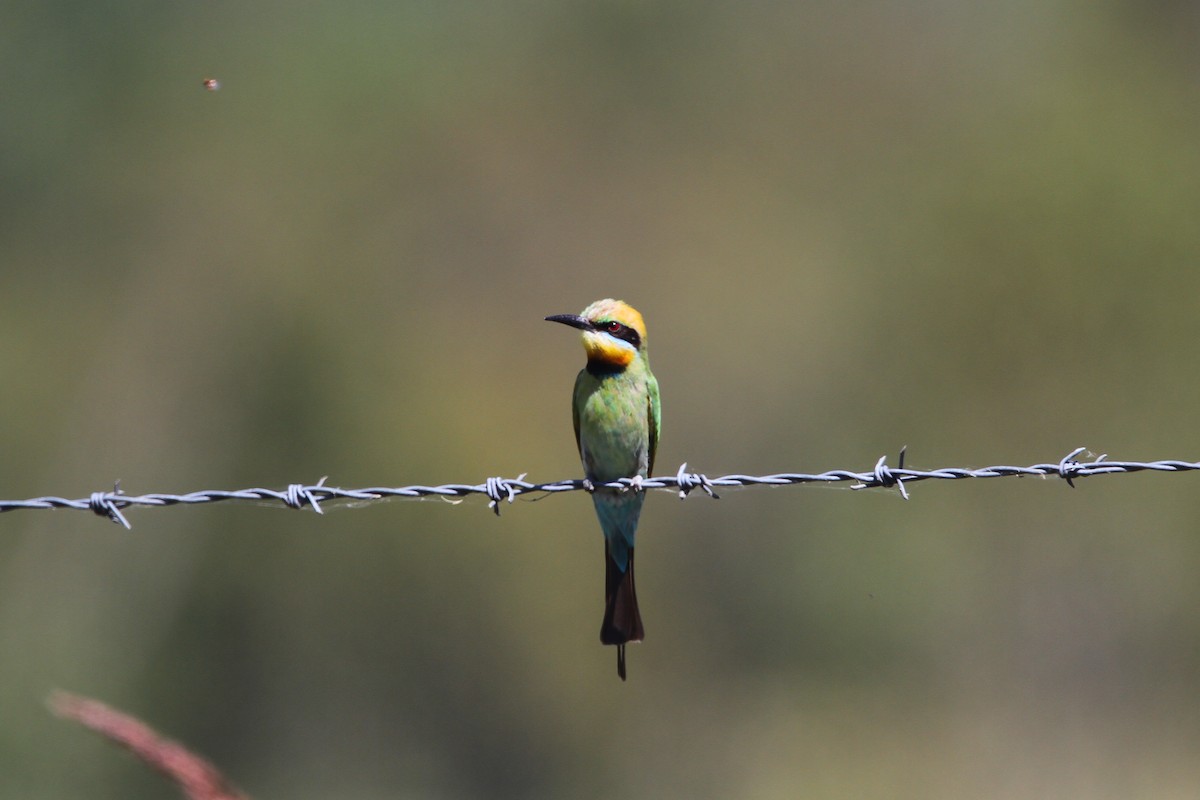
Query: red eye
x=613 y=327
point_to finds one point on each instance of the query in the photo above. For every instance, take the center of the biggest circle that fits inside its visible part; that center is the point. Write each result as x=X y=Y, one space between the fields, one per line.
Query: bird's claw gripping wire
x=498 y=489
x=104 y=504
x=687 y=481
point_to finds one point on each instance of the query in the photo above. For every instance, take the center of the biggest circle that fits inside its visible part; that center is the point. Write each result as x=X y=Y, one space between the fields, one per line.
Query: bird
x=617 y=415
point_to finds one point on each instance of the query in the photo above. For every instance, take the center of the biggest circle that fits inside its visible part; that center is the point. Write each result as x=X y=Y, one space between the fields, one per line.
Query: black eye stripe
x=620 y=331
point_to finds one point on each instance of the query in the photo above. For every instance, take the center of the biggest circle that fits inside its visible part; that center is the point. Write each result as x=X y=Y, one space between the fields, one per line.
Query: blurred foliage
x=965 y=228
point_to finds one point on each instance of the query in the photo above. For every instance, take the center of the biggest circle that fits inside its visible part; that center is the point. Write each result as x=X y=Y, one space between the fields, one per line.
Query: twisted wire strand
x=111 y=504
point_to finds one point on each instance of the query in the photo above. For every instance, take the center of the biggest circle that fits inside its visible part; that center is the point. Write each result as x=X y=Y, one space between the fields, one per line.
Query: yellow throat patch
x=601 y=347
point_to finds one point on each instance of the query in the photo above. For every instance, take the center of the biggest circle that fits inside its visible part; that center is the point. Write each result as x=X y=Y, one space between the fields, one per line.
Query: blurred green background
x=965 y=228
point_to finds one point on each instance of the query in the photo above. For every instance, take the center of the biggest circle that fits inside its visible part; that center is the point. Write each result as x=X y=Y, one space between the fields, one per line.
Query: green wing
x=576 y=402
x=654 y=410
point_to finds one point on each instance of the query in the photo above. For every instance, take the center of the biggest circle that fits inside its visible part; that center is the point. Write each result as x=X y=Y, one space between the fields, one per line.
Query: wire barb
x=885 y=477
x=104 y=504
x=297 y=496
x=1068 y=466
x=881 y=476
x=688 y=481
x=498 y=489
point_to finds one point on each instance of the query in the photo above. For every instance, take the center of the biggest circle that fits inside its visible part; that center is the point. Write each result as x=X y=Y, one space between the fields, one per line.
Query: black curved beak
x=574 y=320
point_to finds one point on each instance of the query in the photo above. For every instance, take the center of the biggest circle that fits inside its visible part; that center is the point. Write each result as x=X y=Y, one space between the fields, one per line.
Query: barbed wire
x=110 y=504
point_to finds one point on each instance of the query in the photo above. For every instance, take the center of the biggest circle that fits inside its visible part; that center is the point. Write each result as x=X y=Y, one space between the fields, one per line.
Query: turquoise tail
x=622 y=623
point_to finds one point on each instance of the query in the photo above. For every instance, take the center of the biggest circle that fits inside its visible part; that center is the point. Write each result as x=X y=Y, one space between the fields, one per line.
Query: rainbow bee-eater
x=617 y=419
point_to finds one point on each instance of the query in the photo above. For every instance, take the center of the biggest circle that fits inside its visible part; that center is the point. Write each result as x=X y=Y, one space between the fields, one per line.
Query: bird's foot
x=588 y=486
x=635 y=483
